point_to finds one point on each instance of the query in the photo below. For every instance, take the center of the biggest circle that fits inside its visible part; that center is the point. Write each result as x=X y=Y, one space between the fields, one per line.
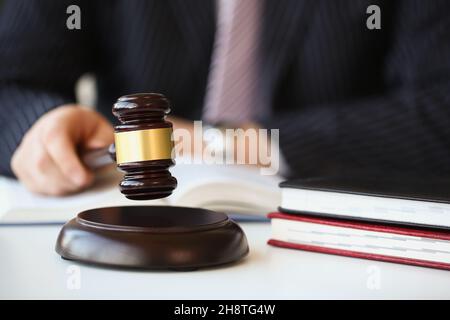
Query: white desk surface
x=30 y=269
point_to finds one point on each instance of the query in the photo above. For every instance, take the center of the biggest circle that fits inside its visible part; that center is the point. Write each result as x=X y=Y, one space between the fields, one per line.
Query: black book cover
x=431 y=190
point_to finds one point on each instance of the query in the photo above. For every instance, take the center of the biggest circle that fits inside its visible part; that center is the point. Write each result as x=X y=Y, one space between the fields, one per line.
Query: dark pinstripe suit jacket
x=344 y=97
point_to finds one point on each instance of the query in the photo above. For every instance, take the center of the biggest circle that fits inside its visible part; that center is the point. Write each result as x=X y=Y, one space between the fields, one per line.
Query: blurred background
x=354 y=87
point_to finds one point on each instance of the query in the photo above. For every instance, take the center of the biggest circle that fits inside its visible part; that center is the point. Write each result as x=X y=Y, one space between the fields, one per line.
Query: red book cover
x=430 y=234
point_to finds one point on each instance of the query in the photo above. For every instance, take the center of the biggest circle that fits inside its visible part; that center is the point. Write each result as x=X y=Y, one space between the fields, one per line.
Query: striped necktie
x=231 y=95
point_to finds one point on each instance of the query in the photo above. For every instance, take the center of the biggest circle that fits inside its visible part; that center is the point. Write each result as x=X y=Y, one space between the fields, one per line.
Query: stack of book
x=398 y=220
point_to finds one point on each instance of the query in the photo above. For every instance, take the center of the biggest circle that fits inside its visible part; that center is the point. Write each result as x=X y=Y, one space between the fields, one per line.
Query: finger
x=53 y=182
x=44 y=177
x=101 y=136
x=62 y=150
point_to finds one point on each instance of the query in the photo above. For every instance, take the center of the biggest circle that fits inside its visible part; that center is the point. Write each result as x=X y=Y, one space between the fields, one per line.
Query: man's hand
x=47 y=160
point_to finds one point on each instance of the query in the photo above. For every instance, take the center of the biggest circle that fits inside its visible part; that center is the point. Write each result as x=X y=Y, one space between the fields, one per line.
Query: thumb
x=100 y=133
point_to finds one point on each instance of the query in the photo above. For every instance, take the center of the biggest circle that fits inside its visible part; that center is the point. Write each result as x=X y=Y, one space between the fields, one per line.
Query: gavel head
x=143 y=146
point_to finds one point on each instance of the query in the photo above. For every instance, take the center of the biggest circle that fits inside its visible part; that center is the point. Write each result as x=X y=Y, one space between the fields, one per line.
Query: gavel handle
x=97 y=158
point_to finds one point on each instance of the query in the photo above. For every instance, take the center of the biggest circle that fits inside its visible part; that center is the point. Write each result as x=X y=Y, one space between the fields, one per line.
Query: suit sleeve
x=41 y=59
x=405 y=129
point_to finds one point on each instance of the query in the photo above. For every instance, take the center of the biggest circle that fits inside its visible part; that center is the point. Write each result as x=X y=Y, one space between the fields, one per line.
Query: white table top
x=30 y=269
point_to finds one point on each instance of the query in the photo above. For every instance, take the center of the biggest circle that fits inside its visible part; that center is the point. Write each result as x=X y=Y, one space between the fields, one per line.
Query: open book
x=231 y=189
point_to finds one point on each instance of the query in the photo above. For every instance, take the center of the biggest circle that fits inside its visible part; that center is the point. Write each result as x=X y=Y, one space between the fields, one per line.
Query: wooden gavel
x=142 y=147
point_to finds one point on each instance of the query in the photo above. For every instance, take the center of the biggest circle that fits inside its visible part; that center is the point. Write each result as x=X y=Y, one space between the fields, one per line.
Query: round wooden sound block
x=152 y=237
